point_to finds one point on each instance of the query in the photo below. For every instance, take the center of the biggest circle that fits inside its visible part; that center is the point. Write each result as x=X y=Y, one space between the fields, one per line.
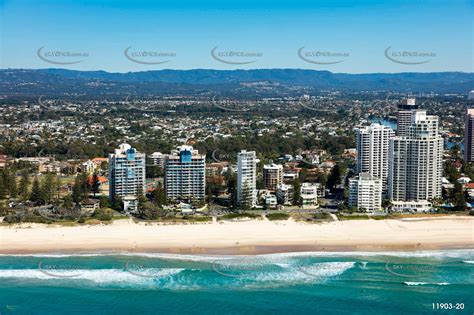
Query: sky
x=363 y=36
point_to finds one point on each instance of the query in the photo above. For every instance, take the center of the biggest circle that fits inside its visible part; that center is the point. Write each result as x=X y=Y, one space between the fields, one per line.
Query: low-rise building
x=365 y=192
x=309 y=195
x=285 y=194
x=411 y=206
x=271 y=201
x=89 y=205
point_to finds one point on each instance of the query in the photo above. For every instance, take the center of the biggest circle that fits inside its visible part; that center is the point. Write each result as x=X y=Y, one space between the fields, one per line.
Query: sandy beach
x=247 y=237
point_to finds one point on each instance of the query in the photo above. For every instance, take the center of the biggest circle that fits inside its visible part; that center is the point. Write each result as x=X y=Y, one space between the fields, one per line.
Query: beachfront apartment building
x=372 y=151
x=126 y=175
x=365 y=192
x=247 y=178
x=469 y=136
x=416 y=161
x=285 y=193
x=185 y=174
x=272 y=176
x=309 y=195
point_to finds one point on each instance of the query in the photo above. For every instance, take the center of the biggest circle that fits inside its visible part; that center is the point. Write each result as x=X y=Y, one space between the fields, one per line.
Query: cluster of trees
x=8 y=184
x=457 y=195
x=151 y=207
x=38 y=191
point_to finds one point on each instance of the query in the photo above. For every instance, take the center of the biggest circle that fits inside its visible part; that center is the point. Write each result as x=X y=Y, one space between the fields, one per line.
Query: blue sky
x=356 y=33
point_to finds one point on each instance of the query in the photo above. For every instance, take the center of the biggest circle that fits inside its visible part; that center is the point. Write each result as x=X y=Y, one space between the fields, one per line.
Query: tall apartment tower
x=405 y=110
x=185 y=174
x=247 y=178
x=469 y=136
x=372 y=151
x=365 y=192
x=415 y=162
x=126 y=174
x=272 y=176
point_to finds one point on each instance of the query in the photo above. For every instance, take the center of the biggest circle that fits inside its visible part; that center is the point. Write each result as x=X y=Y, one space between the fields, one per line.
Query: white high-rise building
x=405 y=110
x=365 y=192
x=272 y=176
x=372 y=151
x=247 y=178
x=126 y=174
x=416 y=161
x=185 y=174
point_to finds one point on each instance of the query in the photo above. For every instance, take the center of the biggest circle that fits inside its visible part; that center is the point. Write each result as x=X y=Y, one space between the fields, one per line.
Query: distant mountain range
x=173 y=82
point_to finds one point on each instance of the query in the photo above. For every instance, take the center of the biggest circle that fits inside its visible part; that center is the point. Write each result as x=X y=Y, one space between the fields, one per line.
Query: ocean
x=425 y=282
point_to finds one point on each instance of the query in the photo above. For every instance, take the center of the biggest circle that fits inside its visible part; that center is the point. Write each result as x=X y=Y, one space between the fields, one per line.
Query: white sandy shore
x=256 y=236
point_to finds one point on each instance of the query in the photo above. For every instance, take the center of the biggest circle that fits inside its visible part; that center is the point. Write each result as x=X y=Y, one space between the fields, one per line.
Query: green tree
x=11 y=185
x=459 y=197
x=24 y=185
x=37 y=194
x=3 y=187
x=334 y=177
x=104 y=202
x=48 y=187
x=296 y=192
x=78 y=190
x=142 y=200
x=116 y=203
x=158 y=196
x=67 y=202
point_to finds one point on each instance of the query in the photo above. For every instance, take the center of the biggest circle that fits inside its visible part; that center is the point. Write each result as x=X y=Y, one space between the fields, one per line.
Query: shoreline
x=253 y=237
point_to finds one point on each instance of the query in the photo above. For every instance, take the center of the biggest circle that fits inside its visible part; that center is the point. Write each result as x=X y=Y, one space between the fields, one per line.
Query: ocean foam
x=425 y=283
x=456 y=253
x=100 y=276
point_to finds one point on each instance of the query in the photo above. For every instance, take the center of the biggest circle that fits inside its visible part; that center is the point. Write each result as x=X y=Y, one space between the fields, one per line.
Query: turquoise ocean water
x=290 y=283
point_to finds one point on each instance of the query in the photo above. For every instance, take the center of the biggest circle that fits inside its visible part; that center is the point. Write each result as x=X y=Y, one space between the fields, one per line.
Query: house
x=89 y=205
x=271 y=201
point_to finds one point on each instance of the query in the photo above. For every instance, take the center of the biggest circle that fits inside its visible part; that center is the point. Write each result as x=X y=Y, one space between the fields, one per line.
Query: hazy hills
x=54 y=81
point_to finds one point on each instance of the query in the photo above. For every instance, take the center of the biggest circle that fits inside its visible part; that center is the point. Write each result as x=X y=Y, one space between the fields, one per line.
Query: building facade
x=415 y=162
x=285 y=193
x=469 y=136
x=405 y=110
x=185 y=174
x=372 y=151
x=365 y=192
x=272 y=176
x=158 y=159
x=309 y=195
x=126 y=173
x=247 y=178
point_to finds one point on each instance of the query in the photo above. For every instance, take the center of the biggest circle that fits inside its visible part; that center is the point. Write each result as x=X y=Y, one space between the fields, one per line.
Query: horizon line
x=229 y=70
